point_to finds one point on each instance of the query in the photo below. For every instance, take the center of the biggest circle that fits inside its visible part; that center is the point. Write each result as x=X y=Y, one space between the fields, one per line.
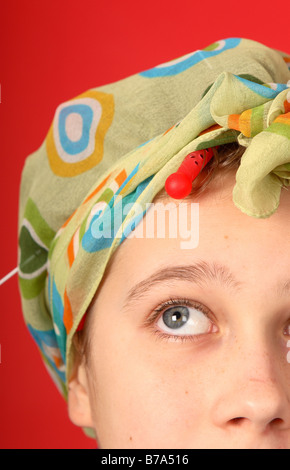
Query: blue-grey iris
x=175 y=317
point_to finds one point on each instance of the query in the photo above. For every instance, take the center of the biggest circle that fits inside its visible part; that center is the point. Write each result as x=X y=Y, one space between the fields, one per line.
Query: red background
x=50 y=52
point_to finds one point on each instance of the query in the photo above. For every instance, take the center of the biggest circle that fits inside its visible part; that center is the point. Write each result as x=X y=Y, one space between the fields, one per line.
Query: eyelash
x=157 y=312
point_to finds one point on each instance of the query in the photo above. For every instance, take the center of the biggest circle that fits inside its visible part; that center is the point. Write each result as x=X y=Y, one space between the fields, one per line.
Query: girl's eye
x=182 y=320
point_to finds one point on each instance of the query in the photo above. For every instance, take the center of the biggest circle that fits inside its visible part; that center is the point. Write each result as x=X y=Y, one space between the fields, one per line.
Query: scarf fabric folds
x=114 y=146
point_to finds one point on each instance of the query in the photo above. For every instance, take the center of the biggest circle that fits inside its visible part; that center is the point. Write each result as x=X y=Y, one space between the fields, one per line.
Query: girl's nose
x=258 y=404
x=255 y=394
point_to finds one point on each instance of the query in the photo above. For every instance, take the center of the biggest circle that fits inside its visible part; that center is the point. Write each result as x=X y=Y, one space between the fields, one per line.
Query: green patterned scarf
x=117 y=144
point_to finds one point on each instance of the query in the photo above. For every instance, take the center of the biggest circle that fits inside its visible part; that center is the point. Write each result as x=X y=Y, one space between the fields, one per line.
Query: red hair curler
x=178 y=185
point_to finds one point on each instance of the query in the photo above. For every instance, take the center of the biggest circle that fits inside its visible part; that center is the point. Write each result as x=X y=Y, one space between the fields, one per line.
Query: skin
x=228 y=387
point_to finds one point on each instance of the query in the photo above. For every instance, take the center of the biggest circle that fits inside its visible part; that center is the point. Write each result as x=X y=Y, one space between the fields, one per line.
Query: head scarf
x=115 y=145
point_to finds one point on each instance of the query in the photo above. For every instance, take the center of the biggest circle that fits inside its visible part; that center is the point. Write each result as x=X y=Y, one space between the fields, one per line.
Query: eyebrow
x=199 y=273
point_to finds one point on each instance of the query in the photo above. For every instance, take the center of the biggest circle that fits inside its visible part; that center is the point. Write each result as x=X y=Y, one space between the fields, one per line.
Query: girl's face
x=188 y=347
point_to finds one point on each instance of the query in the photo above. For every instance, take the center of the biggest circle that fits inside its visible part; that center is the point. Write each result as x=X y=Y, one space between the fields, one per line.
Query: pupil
x=175 y=317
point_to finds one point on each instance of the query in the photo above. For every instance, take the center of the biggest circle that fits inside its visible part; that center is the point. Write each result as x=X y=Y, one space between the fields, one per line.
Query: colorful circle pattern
x=75 y=140
x=177 y=66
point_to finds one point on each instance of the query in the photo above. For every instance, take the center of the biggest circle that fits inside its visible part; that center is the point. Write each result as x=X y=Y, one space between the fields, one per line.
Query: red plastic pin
x=179 y=184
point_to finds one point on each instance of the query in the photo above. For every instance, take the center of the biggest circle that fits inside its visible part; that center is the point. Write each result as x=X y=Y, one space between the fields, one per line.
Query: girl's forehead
x=218 y=232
